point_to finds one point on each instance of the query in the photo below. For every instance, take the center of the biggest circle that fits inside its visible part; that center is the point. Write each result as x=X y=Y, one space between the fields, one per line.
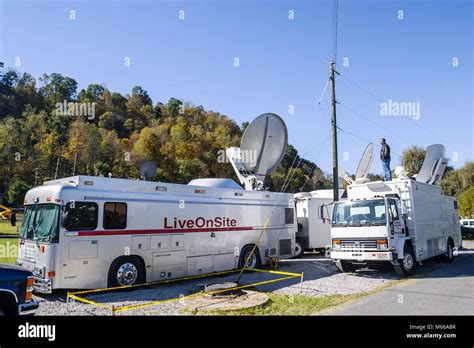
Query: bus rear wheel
x=124 y=271
x=253 y=262
x=298 y=249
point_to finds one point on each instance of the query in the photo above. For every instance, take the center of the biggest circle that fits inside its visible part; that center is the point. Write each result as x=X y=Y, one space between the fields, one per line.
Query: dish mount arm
x=250 y=181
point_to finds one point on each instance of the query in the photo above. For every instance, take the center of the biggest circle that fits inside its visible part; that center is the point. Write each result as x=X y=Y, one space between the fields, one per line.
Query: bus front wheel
x=124 y=271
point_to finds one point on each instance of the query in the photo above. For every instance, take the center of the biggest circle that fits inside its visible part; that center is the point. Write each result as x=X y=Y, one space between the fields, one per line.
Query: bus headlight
x=336 y=244
x=382 y=244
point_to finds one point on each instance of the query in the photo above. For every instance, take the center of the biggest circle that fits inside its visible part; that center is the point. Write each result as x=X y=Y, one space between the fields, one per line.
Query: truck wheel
x=449 y=255
x=127 y=270
x=254 y=261
x=8 y=304
x=407 y=266
x=298 y=249
x=345 y=266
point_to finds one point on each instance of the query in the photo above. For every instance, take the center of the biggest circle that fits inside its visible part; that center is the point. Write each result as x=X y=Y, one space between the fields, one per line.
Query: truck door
x=394 y=218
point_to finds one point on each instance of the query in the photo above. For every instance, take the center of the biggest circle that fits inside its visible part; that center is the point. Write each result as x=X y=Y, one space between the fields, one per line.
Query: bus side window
x=115 y=216
x=82 y=217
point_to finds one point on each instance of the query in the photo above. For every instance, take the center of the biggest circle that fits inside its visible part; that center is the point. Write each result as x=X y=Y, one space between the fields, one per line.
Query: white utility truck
x=403 y=221
x=313 y=212
x=93 y=232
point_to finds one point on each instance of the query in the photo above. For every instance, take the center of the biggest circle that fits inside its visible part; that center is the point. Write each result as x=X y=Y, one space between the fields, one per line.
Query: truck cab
x=16 y=289
x=367 y=231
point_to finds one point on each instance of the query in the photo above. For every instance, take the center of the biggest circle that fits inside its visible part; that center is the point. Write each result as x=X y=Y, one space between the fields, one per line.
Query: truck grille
x=358 y=244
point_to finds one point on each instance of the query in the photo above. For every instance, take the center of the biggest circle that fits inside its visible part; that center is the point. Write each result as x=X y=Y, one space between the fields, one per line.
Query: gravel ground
x=321 y=278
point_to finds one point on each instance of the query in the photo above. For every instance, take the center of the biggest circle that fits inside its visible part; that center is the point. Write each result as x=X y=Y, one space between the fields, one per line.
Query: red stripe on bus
x=168 y=230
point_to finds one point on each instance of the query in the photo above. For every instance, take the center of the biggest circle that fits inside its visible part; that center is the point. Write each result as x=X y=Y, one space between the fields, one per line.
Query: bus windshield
x=360 y=213
x=41 y=223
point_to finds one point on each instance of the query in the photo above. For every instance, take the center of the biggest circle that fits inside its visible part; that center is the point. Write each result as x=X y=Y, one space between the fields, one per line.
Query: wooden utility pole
x=335 y=168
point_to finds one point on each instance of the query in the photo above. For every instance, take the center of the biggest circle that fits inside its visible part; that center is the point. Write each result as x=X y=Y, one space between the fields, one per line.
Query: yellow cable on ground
x=114 y=309
x=253 y=250
x=154 y=283
x=124 y=308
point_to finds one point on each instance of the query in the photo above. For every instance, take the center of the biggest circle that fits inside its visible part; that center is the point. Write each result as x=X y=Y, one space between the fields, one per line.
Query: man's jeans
x=386 y=169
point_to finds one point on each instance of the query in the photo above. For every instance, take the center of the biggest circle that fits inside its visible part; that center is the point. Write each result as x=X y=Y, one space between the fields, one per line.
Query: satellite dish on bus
x=264 y=144
x=147 y=170
x=434 y=164
x=261 y=150
x=365 y=163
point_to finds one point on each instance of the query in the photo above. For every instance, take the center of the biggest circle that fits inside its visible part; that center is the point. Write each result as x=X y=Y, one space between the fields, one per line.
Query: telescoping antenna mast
x=332 y=74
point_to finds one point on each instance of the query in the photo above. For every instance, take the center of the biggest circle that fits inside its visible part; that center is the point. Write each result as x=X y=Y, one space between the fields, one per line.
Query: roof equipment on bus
x=261 y=150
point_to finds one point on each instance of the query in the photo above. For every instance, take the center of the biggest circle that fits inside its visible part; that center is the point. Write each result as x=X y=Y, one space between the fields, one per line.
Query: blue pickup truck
x=16 y=289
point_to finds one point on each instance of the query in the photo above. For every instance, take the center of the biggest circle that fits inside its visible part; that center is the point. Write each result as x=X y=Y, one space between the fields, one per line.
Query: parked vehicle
x=95 y=232
x=467 y=232
x=313 y=211
x=16 y=289
x=403 y=221
x=469 y=223
x=4 y=212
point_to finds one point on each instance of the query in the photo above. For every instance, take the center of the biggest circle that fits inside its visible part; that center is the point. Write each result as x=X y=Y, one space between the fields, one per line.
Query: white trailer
x=313 y=212
x=404 y=221
x=88 y=232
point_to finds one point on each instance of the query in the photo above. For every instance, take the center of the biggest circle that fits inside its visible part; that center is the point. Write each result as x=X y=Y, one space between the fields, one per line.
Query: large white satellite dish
x=264 y=143
x=261 y=150
x=365 y=163
x=434 y=164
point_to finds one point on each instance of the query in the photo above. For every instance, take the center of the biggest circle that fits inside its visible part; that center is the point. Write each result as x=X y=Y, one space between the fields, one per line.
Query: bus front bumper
x=42 y=285
x=362 y=255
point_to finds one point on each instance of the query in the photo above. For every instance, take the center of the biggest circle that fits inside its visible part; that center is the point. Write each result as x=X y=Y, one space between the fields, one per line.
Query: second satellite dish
x=148 y=170
x=433 y=165
x=365 y=163
x=264 y=144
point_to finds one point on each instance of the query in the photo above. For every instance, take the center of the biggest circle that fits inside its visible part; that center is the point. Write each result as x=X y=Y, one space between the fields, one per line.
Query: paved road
x=448 y=290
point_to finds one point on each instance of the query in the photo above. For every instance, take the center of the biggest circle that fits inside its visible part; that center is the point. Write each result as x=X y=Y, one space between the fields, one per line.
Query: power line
x=287 y=183
x=321 y=98
x=409 y=119
x=363 y=139
x=335 y=20
x=375 y=123
x=361 y=88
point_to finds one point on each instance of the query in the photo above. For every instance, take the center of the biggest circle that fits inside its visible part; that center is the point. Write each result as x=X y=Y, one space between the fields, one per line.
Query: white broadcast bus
x=88 y=232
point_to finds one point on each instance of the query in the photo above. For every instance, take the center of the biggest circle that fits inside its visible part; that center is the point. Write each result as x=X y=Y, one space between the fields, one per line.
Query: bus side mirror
x=404 y=216
x=64 y=218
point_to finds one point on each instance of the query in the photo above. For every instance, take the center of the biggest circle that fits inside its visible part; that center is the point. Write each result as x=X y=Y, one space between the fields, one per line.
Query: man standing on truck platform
x=385 y=157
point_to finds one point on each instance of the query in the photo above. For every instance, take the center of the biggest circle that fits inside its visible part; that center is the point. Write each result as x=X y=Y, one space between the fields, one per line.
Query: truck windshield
x=41 y=222
x=360 y=213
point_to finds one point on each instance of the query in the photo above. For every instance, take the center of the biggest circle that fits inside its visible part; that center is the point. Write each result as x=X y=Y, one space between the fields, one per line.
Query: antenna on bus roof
x=261 y=150
x=147 y=170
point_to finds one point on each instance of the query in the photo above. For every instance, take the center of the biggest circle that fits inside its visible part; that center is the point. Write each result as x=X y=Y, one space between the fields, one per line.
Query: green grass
x=7 y=228
x=8 y=250
x=292 y=305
